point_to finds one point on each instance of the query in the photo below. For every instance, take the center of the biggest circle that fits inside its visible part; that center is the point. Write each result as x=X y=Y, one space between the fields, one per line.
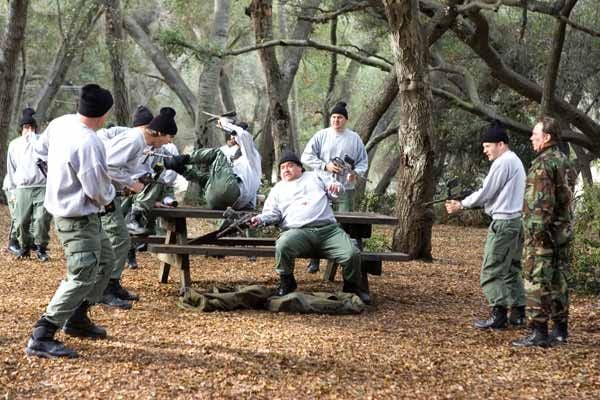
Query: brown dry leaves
x=417 y=343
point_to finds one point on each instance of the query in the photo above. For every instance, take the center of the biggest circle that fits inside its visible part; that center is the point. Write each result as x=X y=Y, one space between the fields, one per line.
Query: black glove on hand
x=177 y=163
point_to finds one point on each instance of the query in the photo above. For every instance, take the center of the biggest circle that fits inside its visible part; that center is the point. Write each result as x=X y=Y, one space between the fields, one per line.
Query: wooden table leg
x=330 y=271
x=176 y=234
x=165 y=267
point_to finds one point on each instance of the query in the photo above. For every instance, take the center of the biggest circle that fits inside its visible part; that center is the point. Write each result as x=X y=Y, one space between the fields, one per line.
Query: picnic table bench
x=175 y=248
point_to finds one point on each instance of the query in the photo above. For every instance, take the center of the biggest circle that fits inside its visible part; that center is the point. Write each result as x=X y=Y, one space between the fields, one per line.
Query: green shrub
x=378 y=242
x=383 y=204
x=585 y=266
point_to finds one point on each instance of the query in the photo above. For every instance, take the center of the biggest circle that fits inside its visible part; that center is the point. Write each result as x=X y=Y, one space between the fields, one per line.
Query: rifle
x=214 y=117
x=347 y=166
x=238 y=220
x=451 y=195
x=43 y=166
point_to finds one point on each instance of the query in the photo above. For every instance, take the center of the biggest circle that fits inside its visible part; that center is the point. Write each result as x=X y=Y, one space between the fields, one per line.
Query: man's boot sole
x=43 y=354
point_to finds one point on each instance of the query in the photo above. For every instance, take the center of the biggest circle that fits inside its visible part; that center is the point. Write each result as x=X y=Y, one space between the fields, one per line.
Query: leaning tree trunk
x=208 y=83
x=81 y=26
x=115 y=43
x=13 y=37
x=413 y=233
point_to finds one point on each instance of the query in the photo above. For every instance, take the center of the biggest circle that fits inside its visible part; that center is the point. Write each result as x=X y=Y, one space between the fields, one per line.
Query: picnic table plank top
x=342 y=217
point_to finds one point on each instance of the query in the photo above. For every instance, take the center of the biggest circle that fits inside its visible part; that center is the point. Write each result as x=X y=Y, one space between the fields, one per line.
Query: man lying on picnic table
x=300 y=205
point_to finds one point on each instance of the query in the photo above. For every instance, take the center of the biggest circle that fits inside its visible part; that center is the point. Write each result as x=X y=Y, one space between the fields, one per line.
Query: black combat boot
x=497 y=319
x=142 y=247
x=13 y=247
x=111 y=299
x=313 y=266
x=121 y=292
x=517 y=316
x=538 y=337
x=560 y=332
x=40 y=253
x=131 y=261
x=362 y=294
x=24 y=252
x=287 y=284
x=80 y=325
x=137 y=222
x=42 y=343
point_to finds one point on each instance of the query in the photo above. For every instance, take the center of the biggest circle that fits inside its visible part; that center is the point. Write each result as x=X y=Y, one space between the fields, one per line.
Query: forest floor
x=417 y=342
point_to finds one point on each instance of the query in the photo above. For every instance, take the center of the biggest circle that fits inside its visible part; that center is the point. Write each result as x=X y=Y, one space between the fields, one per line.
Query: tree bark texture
x=12 y=42
x=115 y=43
x=82 y=24
x=171 y=76
x=208 y=83
x=278 y=79
x=415 y=177
x=388 y=175
x=227 y=99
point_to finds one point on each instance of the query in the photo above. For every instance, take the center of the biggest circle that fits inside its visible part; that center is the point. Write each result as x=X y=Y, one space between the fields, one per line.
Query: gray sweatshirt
x=21 y=168
x=125 y=156
x=327 y=144
x=78 y=183
x=298 y=203
x=503 y=188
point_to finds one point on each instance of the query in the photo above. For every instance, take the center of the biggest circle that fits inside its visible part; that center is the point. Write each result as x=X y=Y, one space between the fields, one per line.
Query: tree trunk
x=227 y=98
x=388 y=175
x=82 y=25
x=413 y=233
x=208 y=83
x=14 y=36
x=171 y=76
x=280 y=79
x=115 y=44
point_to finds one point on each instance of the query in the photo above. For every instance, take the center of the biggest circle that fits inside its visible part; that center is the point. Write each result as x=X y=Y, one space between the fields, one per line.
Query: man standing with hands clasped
x=78 y=189
x=502 y=198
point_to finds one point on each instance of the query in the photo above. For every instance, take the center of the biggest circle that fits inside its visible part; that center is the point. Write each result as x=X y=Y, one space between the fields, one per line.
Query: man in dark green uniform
x=547 y=220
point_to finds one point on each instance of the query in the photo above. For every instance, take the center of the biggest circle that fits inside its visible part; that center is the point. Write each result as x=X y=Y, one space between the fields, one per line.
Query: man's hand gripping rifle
x=346 y=165
x=452 y=193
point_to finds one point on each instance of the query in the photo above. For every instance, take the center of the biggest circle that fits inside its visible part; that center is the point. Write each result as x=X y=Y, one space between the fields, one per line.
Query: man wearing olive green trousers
x=77 y=189
x=502 y=197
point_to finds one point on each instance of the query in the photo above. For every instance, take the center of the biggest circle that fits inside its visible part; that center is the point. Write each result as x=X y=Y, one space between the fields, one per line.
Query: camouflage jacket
x=548 y=204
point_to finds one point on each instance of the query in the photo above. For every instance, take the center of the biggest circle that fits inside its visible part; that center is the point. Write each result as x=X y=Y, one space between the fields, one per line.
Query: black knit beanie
x=27 y=118
x=94 y=101
x=164 y=122
x=290 y=157
x=495 y=133
x=340 y=108
x=142 y=116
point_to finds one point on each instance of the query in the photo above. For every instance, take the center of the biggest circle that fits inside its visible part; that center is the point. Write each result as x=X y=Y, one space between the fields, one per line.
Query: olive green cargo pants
x=90 y=260
x=31 y=218
x=113 y=223
x=329 y=241
x=501 y=275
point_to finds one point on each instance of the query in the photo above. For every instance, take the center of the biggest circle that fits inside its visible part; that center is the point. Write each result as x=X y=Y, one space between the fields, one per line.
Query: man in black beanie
x=78 y=189
x=26 y=184
x=502 y=197
x=125 y=157
x=332 y=142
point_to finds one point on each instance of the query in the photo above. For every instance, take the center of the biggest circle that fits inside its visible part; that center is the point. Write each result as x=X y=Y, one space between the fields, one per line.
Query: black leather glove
x=177 y=163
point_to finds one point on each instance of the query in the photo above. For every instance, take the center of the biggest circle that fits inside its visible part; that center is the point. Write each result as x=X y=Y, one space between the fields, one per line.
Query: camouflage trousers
x=500 y=277
x=546 y=274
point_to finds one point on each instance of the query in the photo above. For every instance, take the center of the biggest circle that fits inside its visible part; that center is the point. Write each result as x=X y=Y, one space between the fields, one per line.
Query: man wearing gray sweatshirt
x=327 y=144
x=502 y=198
x=299 y=205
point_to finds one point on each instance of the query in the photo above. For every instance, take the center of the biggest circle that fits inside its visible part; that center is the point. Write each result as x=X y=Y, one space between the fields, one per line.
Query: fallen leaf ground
x=417 y=343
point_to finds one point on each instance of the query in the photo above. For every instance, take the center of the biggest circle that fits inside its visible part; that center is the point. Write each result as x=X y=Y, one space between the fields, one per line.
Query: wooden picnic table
x=176 y=246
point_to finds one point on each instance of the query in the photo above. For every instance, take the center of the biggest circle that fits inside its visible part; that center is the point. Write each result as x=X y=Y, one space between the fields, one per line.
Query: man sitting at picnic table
x=300 y=205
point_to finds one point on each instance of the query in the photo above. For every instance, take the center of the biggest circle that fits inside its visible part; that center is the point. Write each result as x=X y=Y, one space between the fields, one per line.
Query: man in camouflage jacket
x=547 y=220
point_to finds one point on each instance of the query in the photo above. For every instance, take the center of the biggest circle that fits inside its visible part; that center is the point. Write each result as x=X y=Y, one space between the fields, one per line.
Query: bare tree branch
x=579 y=27
x=329 y=15
x=377 y=139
